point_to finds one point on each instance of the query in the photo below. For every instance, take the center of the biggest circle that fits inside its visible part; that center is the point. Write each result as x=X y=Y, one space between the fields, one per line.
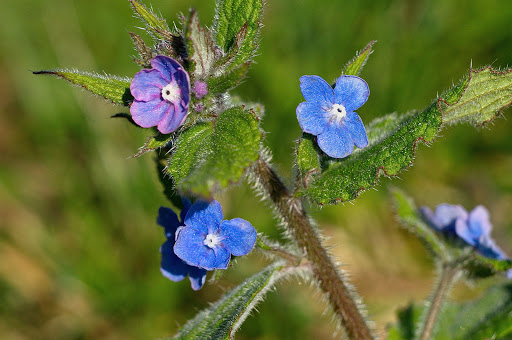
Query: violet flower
x=171 y=266
x=206 y=241
x=161 y=95
x=329 y=113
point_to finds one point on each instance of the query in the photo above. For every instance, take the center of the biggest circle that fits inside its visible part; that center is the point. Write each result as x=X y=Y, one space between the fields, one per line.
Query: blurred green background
x=78 y=240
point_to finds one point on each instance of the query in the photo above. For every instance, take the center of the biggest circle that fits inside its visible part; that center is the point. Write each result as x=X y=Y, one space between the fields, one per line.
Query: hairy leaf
x=405 y=328
x=113 y=88
x=192 y=147
x=155 y=142
x=308 y=160
x=484 y=95
x=230 y=19
x=233 y=147
x=412 y=221
x=144 y=52
x=479 y=266
x=223 y=318
x=227 y=80
x=355 y=66
x=199 y=47
x=157 y=26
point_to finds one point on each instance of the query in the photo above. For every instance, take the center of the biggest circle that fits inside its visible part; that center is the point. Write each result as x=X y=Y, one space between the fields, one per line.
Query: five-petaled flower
x=473 y=228
x=206 y=241
x=171 y=266
x=329 y=113
x=161 y=95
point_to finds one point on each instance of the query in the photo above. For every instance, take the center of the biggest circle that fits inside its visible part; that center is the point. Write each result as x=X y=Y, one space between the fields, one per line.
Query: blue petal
x=351 y=91
x=336 y=141
x=205 y=216
x=356 y=129
x=186 y=208
x=462 y=231
x=488 y=248
x=171 y=266
x=150 y=113
x=169 y=220
x=479 y=222
x=431 y=218
x=239 y=236
x=166 y=65
x=312 y=117
x=448 y=213
x=172 y=120
x=183 y=81
x=147 y=85
x=316 y=90
x=197 y=277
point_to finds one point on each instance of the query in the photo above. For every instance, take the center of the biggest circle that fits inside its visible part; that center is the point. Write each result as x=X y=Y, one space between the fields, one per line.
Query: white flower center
x=338 y=112
x=171 y=92
x=211 y=240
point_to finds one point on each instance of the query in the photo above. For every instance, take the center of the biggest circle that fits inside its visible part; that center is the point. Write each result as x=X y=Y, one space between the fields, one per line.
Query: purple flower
x=329 y=113
x=473 y=228
x=161 y=95
x=206 y=241
x=171 y=266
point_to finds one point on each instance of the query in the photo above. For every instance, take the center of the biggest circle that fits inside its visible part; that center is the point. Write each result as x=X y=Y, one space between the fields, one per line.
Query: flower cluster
x=473 y=228
x=202 y=241
x=161 y=95
x=329 y=113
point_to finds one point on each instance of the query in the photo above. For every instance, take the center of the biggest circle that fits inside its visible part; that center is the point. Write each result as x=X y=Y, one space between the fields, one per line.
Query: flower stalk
x=292 y=212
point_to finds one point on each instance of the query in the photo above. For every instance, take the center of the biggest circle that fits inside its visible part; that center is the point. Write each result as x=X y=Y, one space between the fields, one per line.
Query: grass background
x=78 y=240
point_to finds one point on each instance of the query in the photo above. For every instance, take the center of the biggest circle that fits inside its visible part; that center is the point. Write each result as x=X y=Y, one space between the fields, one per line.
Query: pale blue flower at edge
x=474 y=228
x=171 y=266
x=329 y=113
x=161 y=95
x=207 y=241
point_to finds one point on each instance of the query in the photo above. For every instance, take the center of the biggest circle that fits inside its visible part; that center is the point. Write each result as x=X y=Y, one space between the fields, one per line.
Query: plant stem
x=449 y=274
x=292 y=211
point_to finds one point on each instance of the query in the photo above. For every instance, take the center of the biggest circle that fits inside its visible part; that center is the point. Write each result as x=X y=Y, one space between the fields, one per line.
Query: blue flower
x=329 y=113
x=473 y=228
x=171 y=266
x=161 y=95
x=206 y=241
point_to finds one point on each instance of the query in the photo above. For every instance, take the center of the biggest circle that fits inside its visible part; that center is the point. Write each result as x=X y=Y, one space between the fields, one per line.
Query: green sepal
x=230 y=18
x=155 y=142
x=478 y=98
x=200 y=50
x=411 y=220
x=222 y=158
x=479 y=266
x=308 y=161
x=189 y=150
x=112 y=88
x=355 y=66
x=145 y=53
x=228 y=80
x=390 y=151
x=157 y=26
x=224 y=318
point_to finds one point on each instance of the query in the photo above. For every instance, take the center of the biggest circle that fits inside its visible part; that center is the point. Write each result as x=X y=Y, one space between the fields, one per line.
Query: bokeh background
x=78 y=240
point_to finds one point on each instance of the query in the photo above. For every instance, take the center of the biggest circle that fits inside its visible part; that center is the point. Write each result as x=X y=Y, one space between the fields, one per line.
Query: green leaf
x=158 y=26
x=355 y=66
x=412 y=221
x=308 y=161
x=223 y=318
x=227 y=80
x=479 y=266
x=488 y=317
x=199 y=46
x=223 y=157
x=390 y=151
x=230 y=18
x=190 y=149
x=113 y=88
x=155 y=142
x=168 y=184
x=479 y=98
x=405 y=329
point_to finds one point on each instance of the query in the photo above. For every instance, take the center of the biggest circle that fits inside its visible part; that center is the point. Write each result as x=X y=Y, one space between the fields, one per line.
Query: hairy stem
x=448 y=277
x=292 y=211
